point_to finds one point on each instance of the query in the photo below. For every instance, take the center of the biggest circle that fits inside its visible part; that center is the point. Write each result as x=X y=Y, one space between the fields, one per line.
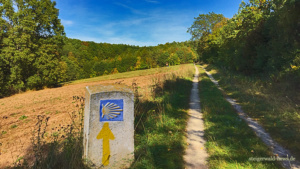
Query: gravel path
x=261 y=133
x=195 y=155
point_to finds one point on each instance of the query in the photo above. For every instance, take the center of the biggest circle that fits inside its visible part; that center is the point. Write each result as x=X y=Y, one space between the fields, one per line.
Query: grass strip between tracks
x=230 y=142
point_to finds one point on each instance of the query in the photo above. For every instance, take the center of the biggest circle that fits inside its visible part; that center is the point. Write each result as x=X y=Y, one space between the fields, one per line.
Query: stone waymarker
x=109 y=126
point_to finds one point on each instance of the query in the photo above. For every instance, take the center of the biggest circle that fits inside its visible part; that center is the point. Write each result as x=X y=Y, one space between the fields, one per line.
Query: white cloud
x=152 y=1
x=133 y=10
x=67 y=22
x=157 y=27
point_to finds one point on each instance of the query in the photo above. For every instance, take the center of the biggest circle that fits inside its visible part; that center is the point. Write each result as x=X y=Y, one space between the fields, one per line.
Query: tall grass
x=230 y=142
x=60 y=148
x=160 y=120
x=273 y=103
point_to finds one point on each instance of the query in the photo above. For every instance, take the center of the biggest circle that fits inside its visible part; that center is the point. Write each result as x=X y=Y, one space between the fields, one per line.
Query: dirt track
x=195 y=155
x=55 y=103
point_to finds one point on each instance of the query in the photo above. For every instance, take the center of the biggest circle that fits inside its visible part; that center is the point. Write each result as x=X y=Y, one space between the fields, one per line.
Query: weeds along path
x=18 y=113
x=260 y=131
x=196 y=155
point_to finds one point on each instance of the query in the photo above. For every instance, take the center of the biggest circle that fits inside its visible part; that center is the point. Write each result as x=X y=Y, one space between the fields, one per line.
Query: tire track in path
x=260 y=131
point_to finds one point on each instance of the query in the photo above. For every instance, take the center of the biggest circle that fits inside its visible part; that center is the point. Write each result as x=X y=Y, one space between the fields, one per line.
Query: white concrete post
x=109 y=126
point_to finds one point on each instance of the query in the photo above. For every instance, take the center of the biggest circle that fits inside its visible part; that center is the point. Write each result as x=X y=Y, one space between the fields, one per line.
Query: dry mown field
x=56 y=103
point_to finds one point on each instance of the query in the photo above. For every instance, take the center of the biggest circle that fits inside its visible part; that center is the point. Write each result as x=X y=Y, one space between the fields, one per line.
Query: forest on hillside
x=35 y=52
x=262 y=39
x=90 y=59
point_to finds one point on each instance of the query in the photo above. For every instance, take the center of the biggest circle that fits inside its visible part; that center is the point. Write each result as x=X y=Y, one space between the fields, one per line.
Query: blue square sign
x=111 y=110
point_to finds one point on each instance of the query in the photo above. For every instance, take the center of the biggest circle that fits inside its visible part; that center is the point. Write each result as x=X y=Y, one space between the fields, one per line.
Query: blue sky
x=136 y=22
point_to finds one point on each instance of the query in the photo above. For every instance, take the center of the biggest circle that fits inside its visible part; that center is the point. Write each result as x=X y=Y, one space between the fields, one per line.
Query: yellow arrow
x=106 y=135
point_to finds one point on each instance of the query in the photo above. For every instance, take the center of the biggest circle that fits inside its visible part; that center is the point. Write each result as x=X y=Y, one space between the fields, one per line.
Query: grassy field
x=127 y=74
x=161 y=105
x=274 y=104
x=230 y=142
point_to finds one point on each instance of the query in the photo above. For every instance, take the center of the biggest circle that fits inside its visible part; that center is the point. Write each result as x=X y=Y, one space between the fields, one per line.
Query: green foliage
x=262 y=37
x=204 y=24
x=23 y=117
x=97 y=59
x=34 y=82
x=35 y=53
x=163 y=59
x=29 y=44
x=230 y=141
x=13 y=126
x=160 y=123
x=274 y=105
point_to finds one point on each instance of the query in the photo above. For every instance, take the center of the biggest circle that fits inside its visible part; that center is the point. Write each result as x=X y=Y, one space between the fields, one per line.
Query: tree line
x=90 y=59
x=35 y=52
x=262 y=38
x=30 y=36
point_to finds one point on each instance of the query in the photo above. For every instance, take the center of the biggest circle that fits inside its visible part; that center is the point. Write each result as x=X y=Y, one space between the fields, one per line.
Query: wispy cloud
x=135 y=22
x=67 y=22
x=152 y=1
x=106 y=32
x=133 y=10
x=146 y=27
x=158 y=27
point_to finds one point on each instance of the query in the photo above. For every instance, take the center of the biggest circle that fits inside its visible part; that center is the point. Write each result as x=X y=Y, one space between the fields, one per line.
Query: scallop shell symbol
x=111 y=110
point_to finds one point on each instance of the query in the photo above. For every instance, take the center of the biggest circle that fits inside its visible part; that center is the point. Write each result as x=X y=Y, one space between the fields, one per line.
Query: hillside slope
x=18 y=113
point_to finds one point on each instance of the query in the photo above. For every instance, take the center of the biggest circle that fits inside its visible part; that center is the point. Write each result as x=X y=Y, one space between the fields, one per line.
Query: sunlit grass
x=275 y=105
x=159 y=136
x=230 y=142
x=128 y=74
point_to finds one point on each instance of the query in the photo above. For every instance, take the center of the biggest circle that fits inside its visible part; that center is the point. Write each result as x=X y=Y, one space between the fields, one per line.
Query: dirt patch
x=18 y=113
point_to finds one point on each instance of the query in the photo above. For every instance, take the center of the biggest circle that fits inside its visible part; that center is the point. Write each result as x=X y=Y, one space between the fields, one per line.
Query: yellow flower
x=295 y=67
